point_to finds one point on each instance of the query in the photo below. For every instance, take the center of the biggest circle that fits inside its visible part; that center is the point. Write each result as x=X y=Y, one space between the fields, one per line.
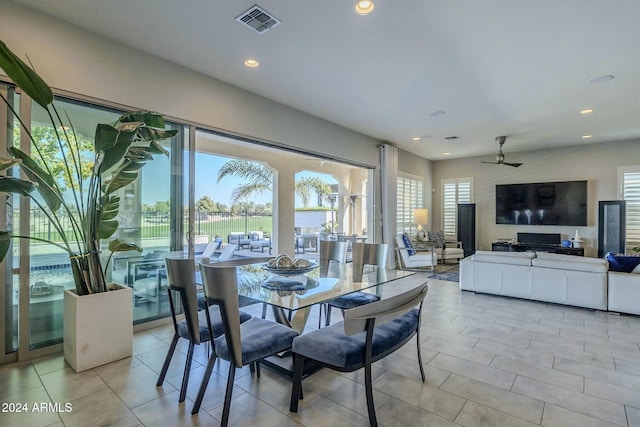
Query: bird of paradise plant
x=120 y=151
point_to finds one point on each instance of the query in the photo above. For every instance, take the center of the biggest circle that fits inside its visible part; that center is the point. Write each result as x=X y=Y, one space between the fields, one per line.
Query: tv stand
x=538 y=247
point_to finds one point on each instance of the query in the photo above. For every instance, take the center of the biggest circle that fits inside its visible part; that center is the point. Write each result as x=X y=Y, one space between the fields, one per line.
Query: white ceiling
x=496 y=67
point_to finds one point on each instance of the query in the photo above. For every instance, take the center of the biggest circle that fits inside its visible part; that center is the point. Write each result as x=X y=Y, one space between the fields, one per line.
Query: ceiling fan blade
x=490 y=163
x=515 y=165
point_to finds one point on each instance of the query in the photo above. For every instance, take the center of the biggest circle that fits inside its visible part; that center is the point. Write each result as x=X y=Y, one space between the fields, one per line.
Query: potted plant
x=91 y=202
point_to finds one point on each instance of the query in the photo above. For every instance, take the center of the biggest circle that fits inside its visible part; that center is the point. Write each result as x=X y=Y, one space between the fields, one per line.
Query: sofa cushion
x=570 y=262
x=513 y=258
x=622 y=263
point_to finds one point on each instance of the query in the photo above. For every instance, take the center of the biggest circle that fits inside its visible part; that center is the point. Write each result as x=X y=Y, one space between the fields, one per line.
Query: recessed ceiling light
x=438 y=113
x=415 y=138
x=586 y=136
x=587 y=111
x=251 y=63
x=446 y=154
x=600 y=79
x=364 y=7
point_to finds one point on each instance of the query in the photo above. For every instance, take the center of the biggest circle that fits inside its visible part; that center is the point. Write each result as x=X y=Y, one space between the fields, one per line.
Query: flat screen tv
x=543 y=203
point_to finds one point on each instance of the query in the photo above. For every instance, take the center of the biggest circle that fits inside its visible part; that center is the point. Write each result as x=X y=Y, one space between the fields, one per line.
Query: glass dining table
x=292 y=293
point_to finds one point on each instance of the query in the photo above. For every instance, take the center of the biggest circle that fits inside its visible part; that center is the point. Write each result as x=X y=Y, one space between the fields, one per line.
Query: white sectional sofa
x=541 y=276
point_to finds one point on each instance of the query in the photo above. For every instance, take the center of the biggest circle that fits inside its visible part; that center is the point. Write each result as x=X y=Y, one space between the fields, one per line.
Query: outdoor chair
x=367 y=334
x=207 y=253
x=242 y=343
x=198 y=326
x=372 y=254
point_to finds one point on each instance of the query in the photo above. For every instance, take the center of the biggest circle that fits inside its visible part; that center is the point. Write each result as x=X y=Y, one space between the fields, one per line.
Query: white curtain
x=389 y=197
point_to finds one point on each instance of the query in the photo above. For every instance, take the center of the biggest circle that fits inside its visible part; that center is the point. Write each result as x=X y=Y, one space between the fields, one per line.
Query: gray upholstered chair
x=330 y=251
x=194 y=327
x=241 y=344
x=368 y=334
x=373 y=254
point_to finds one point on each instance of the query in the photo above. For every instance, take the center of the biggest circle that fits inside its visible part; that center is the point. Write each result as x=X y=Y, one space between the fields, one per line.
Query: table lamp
x=420 y=217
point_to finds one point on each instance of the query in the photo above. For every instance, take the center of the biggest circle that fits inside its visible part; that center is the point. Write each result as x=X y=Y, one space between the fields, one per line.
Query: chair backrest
x=181 y=276
x=227 y=252
x=383 y=311
x=374 y=254
x=331 y=250
x=221 y=287
x=210 y=249
x=402 y=248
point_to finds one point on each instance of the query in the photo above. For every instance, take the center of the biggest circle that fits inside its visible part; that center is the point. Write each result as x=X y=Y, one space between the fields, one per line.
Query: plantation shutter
x=631 y=194
x=410 y=196
x=454 y=192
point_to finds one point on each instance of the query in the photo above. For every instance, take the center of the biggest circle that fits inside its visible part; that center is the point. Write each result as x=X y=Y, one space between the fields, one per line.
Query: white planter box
x=98 y=328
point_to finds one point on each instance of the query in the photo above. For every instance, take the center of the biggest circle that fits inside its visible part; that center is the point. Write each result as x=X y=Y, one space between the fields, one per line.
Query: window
x=410 y=196
x=454 y=191
x=629 y=183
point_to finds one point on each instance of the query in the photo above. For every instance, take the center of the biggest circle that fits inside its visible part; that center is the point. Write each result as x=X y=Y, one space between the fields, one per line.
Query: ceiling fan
x=500 y=156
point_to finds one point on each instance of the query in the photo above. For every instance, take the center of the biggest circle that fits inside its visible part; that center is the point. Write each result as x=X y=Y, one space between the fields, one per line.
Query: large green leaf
x=153 y=134
x=121 y=179
x=105 y=137
x=46 y=183
x=24 y=77
x=10 y=184
x=116 y=153
x=149 y=118
x=107 y=228
x=117 y=245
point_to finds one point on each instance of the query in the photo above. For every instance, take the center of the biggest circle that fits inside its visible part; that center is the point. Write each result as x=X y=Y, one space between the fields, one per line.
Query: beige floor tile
x=247 y=410
x=496 y=398
x=533 y=326
x=101 y=408
x=555 y=416
x=615 y=393
x=539 y=373
x=165 y=411
x=118 y=365
x=137 y=385
x=475 y=415
x=627 y=366
x=23 y=414
x=17 y=378
x=529 y=357
x=410 y=369
x=461 y=351
x=322 y=412
x=500 y=337
x=598 y=373
x=633 y=416
x=473 y=370
x=418 y=394
x=396 y=413
x=577 y=402
x=66 y=385
x=48 y=364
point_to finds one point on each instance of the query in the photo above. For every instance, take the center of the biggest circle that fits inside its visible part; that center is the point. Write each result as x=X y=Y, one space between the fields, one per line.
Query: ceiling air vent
x=258 y=19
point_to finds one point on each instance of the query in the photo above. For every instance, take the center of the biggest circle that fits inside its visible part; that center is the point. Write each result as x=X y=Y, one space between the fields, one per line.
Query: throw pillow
x=622 y=263
x=437 y=239
x=408 y=245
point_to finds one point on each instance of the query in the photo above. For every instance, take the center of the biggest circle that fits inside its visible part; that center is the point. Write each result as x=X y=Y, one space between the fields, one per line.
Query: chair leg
x=227 y=396
x=327 y=315
x=296 y=388
x=203 y=384
x=185 y=375
x=320 y=306
x=258 y=369
x=420 y=354
x=368 y=386
x=167 y=360
x=264 y=310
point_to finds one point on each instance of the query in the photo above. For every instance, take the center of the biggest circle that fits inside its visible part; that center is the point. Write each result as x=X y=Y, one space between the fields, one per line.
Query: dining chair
x=242 y=343
x=194 y=327
x=364 y=254
x=367 y=334
x=330 y=250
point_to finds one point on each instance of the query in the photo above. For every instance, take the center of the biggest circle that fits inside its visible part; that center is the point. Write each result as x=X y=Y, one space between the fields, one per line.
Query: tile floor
x=490 y=361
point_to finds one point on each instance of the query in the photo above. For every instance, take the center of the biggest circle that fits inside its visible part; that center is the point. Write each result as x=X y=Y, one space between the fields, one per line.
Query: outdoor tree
x=206 y=204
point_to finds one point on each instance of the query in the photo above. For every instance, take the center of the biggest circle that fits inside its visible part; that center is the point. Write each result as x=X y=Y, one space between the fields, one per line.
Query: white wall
x=596 y=163
x=75 y=60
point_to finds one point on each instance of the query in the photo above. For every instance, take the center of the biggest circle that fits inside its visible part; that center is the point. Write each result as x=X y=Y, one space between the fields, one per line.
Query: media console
x=538 y=242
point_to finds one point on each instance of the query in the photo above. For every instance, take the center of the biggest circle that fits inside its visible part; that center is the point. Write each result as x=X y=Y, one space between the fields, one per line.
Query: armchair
x=445 y=249
x=410 y=258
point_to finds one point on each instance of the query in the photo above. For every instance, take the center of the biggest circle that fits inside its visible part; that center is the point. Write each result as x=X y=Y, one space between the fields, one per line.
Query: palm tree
x=259 y=180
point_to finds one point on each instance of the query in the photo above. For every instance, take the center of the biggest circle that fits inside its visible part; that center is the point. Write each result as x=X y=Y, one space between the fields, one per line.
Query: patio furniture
x=367 y=334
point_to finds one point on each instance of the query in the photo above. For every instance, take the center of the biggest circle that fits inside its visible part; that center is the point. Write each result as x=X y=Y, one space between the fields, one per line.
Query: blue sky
x=207 y=167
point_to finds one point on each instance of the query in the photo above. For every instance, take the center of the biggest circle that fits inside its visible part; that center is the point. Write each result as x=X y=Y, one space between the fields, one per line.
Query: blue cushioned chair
x=194 y=328
x=363 y=254
x=368 y=334
x=241 y=344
